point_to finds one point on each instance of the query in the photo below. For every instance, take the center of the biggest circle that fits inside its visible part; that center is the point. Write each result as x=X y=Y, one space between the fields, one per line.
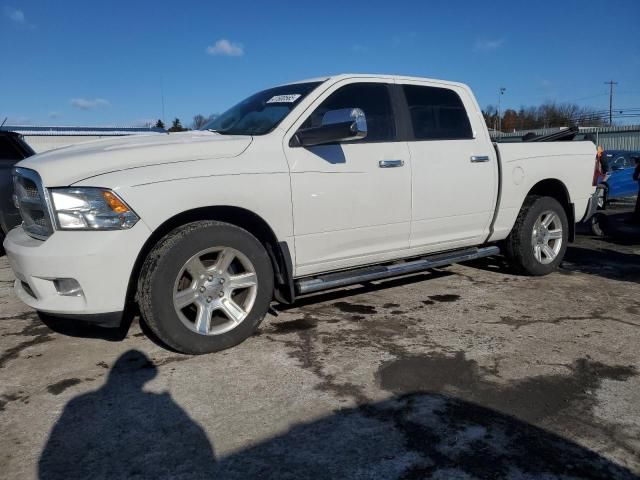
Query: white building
x=42 y=138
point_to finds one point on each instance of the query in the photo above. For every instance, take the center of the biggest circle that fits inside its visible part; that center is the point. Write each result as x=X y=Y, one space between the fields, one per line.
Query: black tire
x=598 y=225
x=2 y=252
x=163 y=265
x=518 y=245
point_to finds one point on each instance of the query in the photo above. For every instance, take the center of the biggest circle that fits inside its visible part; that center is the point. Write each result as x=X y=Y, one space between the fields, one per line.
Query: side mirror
x=337 y=126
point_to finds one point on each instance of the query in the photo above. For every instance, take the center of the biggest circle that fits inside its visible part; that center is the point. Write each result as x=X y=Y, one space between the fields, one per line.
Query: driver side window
x=372 y=98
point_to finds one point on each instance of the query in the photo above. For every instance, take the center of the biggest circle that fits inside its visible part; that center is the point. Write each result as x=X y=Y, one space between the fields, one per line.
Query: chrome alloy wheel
x=546 y=237
x=215 y=290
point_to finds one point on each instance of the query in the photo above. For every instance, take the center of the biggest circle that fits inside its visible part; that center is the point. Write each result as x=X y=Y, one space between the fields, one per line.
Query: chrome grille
x=30 y=198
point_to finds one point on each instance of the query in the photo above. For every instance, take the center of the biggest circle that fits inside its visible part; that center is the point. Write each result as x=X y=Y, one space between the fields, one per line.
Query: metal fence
x=611 y=138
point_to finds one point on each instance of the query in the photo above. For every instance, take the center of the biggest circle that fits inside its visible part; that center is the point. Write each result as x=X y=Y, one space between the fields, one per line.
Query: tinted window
x=7 y=149
x=437 y=113
x=372 y=98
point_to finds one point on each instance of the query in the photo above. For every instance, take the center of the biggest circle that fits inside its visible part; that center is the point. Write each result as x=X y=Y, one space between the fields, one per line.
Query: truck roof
x=344 y=76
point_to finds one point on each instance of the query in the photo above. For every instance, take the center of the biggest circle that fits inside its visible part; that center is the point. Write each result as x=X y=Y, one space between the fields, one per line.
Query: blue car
x=617 y=181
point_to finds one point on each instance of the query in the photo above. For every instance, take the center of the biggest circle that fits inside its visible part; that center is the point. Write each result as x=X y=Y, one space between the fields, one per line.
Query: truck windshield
x=262 y=112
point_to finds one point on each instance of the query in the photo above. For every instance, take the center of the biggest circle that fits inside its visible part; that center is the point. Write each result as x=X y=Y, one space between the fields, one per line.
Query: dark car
x=13 y=148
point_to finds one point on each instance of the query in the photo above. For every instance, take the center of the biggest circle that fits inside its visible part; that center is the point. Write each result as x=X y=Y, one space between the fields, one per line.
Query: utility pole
x=611 y=83
x=162 y=99
x=501 y=92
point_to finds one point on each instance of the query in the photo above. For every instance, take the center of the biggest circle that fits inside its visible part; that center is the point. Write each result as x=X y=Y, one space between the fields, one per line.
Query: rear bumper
x=100 y=262
x=592 y=206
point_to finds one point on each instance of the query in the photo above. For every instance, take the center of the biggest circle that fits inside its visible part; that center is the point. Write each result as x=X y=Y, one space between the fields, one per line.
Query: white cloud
x=54 y=115
x=488 y=45
x=89 y=104
x=226 y=47
x=15 y=15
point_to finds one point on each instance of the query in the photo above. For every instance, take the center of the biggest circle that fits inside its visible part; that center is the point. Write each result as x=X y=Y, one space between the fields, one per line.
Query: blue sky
x=106 y=63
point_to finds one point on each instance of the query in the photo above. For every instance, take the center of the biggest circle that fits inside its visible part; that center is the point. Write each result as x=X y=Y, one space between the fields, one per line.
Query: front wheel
x=205 y=287
x=538 y=241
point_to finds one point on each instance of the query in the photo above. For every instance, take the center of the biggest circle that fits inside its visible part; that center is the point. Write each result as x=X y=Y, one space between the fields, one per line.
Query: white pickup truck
x=299 y=188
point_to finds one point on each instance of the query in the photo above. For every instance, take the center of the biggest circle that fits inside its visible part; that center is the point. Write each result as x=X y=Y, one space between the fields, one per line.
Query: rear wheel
x=205 y=287
x=538 y=241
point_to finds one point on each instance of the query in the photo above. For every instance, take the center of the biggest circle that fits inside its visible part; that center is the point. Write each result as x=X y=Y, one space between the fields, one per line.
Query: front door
x=351 y=200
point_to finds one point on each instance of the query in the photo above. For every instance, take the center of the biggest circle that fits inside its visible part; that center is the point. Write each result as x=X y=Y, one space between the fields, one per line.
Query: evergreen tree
x=176 y=126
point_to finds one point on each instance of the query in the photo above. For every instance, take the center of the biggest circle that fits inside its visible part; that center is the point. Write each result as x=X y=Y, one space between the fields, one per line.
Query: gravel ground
x=464 y=372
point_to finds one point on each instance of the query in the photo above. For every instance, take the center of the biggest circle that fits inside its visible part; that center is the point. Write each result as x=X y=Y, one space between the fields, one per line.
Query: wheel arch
x=554 y=188
x=278 y=251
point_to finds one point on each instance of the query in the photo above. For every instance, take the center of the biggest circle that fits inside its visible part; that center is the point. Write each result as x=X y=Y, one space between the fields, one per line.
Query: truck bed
x=522 y=164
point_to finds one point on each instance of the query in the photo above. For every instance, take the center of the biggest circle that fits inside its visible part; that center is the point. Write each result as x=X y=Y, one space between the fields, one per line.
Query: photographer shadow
x=122 y=431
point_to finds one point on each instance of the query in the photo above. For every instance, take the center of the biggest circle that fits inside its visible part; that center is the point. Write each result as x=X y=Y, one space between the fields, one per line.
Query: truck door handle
x=479 y=158
x=390 y=163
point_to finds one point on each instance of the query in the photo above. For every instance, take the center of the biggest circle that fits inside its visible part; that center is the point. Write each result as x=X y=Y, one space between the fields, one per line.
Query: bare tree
x=199 y=121
x=547 y=115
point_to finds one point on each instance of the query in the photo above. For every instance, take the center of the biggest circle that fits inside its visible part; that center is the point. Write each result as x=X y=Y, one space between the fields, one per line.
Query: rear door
x=454 y=164
x=351 y=200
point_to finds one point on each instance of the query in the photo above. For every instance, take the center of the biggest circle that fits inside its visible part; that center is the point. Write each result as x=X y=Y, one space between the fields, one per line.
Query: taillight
x=597 y=172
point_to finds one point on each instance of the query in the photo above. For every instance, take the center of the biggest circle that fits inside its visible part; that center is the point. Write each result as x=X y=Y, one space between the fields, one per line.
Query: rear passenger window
x=437 y=114
x=372 y=98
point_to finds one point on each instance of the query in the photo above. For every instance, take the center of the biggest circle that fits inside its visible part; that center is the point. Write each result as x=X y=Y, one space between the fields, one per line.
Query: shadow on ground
x=613 y=256
x=122 y=431
x=77 y=328
x=603 y=262
x=618 y=227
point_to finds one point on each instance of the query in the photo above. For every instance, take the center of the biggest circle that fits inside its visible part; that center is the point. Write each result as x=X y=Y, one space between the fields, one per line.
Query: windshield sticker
x=284 y=98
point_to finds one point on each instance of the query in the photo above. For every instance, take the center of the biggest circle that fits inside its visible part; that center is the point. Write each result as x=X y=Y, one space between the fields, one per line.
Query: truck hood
x=68 y=165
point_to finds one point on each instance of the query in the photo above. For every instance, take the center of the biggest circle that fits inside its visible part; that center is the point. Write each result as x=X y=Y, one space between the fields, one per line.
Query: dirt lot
x=466 y=372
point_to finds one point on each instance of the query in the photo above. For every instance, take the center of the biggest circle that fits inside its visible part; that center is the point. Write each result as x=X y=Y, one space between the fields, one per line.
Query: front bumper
x=100 y=262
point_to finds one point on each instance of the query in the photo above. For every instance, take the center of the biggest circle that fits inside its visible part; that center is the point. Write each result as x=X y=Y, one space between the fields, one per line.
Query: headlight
x=91 y=209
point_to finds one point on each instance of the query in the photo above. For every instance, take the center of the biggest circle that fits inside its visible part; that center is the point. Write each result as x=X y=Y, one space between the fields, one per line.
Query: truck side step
x=377 y=272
